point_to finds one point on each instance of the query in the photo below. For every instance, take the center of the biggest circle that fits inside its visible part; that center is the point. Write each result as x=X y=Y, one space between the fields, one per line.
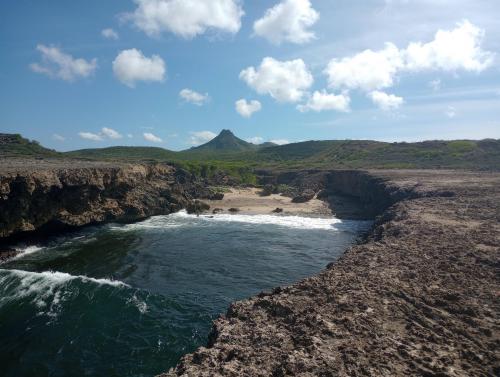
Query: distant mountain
x=14 y=145
x=225 y=142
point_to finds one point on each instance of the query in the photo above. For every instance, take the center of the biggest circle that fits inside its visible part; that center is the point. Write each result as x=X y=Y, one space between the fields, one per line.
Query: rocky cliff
x=45 y=196
x=418 y=298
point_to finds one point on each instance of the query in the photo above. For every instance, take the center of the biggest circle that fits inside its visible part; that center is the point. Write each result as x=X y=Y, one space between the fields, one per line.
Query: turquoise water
x=130 y=300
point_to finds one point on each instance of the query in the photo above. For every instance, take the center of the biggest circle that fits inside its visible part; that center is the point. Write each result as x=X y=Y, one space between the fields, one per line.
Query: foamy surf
x=24 y=251
x=182 y=218
x=280 y=220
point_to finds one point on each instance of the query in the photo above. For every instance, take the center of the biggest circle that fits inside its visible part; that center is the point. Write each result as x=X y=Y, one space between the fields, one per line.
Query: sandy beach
x=248 y=201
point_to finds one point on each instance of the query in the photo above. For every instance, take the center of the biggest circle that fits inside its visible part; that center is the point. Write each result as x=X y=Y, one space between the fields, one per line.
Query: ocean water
x=130 y=300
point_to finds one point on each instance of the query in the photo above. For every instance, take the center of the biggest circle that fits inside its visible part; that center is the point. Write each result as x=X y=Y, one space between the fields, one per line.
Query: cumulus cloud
x=320 y=101
x=280 y=141
x=255 y=140
x=187 y=18
x=106 y=133
x=90 y=136
x=148 y=136
x=285 y=81
x=131 y=66
x=451 y=50
x=193 y=97
x=110 y=34
x=57 y=64
x=247 y=108
x=369 y=70
x=201 y=137
x=287 y=21
x=386 y=101
x=112 y=134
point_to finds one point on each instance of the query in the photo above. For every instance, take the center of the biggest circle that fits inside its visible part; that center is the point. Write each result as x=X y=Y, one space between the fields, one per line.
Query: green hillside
x=14 y=145
x=226 y=150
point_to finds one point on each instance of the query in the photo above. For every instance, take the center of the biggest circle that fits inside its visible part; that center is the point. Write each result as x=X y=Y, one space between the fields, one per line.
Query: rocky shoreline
x=419 y=298
x=38 y=198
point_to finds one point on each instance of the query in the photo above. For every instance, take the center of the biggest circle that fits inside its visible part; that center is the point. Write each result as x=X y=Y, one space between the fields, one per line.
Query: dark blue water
x=130 y=300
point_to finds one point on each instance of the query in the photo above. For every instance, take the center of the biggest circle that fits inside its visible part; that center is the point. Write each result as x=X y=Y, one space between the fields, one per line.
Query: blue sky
x=169 y=73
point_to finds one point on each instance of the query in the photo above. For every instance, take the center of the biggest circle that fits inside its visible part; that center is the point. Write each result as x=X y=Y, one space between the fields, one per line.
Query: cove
x=130 y=300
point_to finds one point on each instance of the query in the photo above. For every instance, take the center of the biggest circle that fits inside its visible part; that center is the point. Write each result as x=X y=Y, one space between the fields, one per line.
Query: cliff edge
x=42 y=196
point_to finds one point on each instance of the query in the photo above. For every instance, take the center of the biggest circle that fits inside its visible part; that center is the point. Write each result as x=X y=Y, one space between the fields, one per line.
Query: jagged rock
x=234 y=210
x=50 y=196
x=304 y=196
x=267 y=190
x=217 y=210
x=278 y=210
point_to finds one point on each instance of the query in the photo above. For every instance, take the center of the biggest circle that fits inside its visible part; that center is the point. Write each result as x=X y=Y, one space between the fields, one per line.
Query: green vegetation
x=236 y=157
x=14 y=145
x=242 y=172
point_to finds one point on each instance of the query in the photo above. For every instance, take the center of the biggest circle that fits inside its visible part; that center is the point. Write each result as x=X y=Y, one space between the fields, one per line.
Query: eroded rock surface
x=51 y=195
x=419 y=298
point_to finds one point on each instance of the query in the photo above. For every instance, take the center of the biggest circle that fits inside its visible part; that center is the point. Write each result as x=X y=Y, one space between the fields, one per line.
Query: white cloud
x=58 y=137
x=194 y=97
x=201 y=137
x=90 y=136
x=187 y=18
x=280 y=141
x=112 y=134
x=369 y=70
x=451 y=112
x=435 y=84
x=110 y=34
x=247 y=108
x=321 y=101
x=131 y=66
x=451 y=50
x=287 y=21
x=386 y=101
x=148 y=136
x=57 y=64
x=255 y=140
x=284 y=81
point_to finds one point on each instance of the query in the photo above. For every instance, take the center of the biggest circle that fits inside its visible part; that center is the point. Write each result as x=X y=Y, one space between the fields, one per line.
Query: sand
x=248 y=201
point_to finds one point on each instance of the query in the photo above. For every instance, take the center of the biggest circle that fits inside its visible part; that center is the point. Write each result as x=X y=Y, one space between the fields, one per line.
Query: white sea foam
x=24 y=251
x=182 y=219
x=44 y=289
x=299 y=222
x=139 y=304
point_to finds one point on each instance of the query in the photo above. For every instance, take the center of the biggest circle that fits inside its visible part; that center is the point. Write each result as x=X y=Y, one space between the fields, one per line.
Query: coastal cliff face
x=73 y=194
x=418 y=298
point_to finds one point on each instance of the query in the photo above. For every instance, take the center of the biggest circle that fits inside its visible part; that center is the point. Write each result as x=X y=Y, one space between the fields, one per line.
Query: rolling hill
x=228 y=150
x=14 y=145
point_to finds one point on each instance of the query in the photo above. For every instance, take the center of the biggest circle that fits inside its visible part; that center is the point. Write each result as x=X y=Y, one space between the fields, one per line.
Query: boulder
x=304 y=196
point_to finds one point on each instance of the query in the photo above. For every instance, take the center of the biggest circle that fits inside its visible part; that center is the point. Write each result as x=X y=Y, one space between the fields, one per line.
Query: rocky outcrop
x=418 y=298
x=64 y=195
